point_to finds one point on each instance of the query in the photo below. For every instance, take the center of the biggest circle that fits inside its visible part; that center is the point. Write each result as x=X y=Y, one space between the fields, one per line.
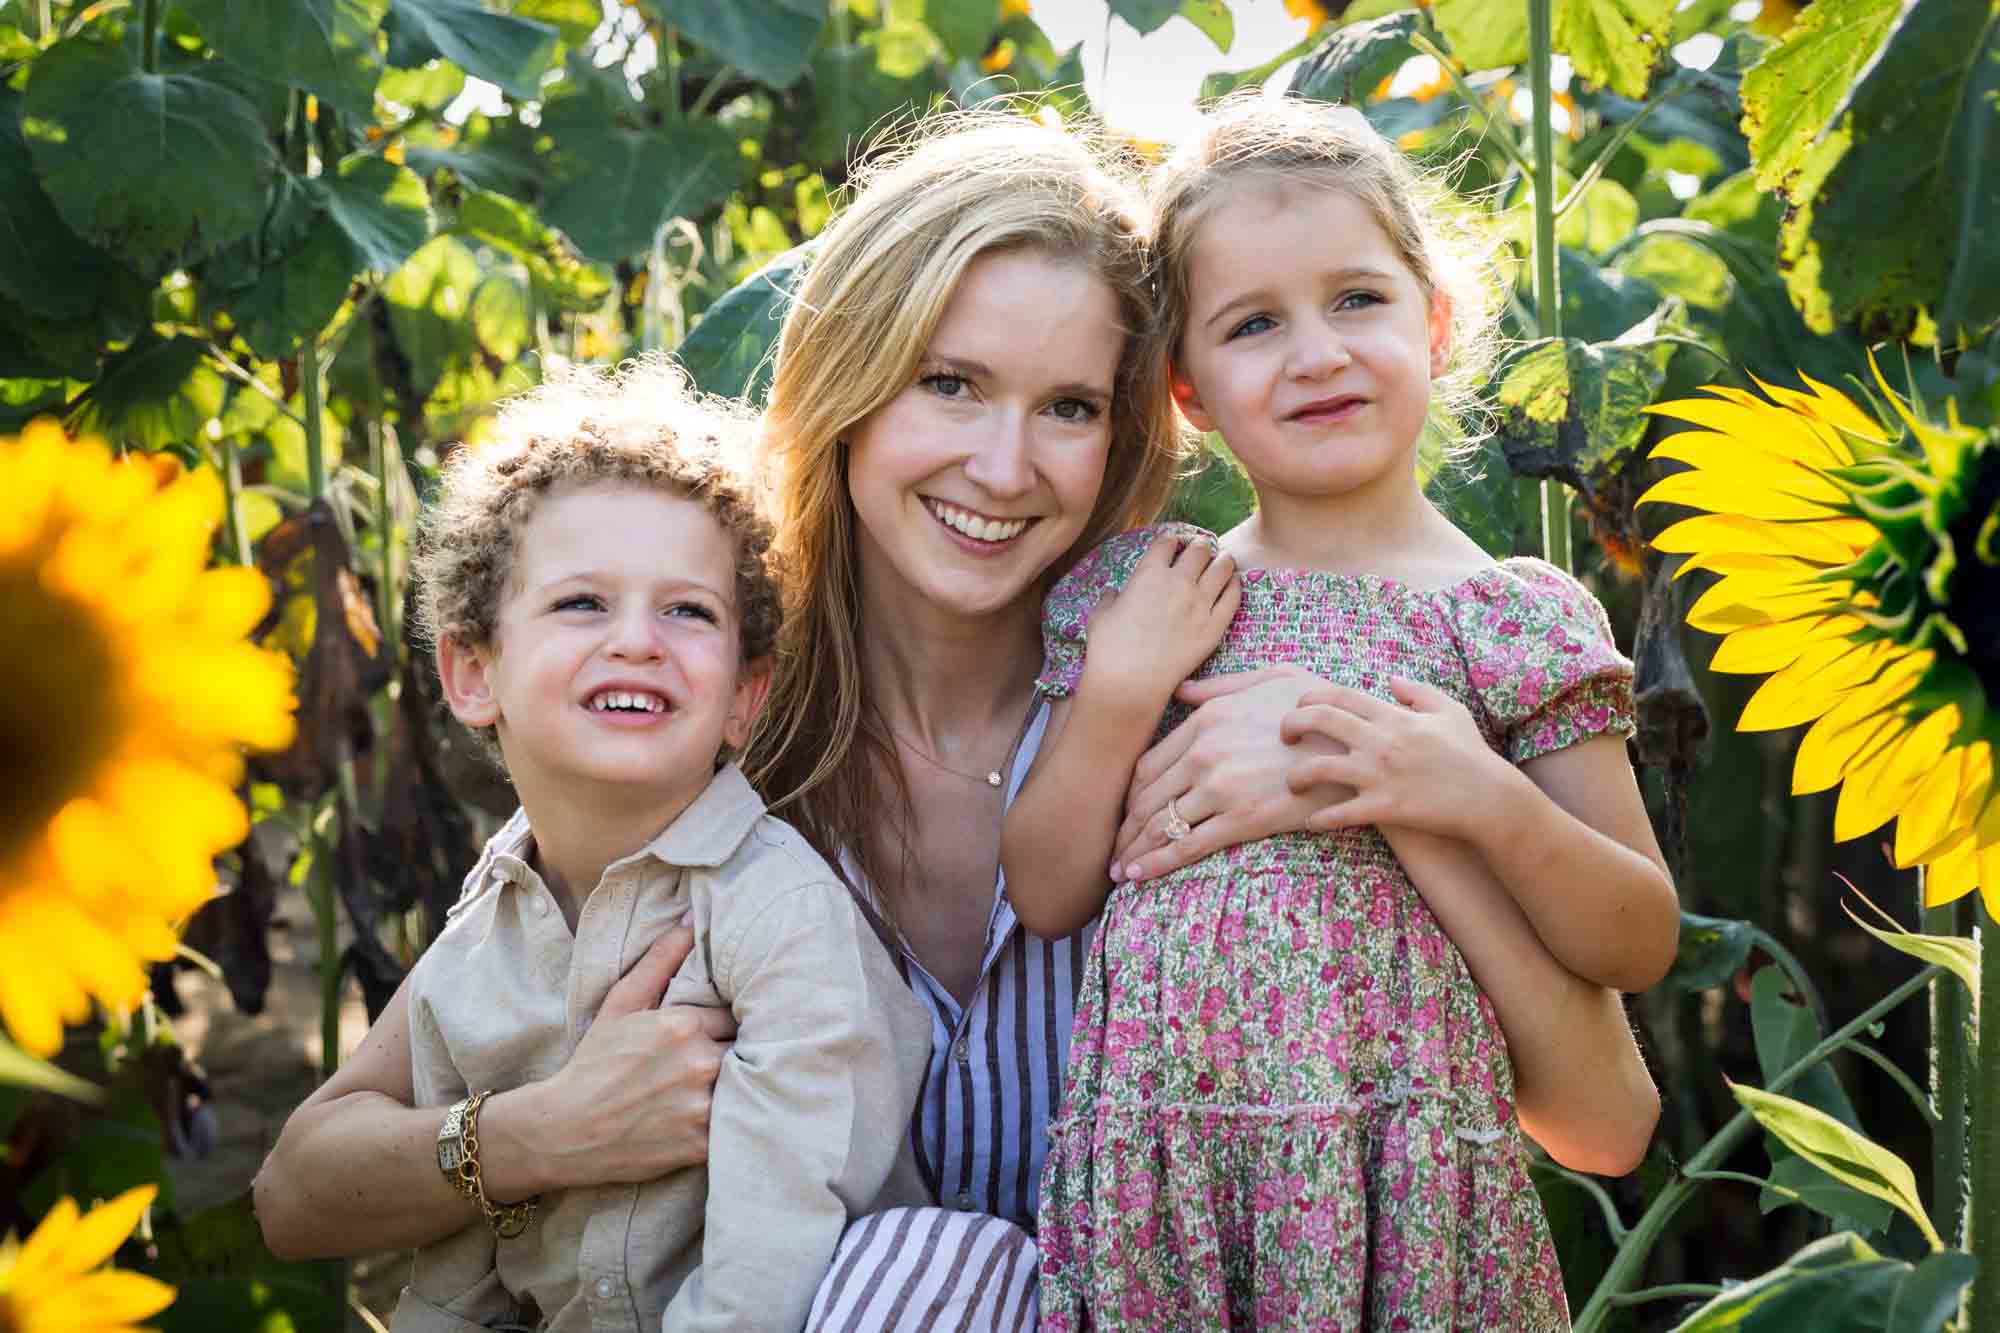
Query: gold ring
x=1177 y=827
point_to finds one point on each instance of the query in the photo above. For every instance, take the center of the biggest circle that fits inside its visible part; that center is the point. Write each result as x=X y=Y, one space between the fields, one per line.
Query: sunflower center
x=59 y=713
x=1974 y=586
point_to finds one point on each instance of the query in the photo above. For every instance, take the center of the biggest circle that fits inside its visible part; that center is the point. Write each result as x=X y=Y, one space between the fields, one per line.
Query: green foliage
x=729 y=351
x=1356 y=58
x=1840 y=1285
x=227 y=1279
x=327 y=47
x=1792 y=93
x=1613 y=43
x=1711 y=951
x=771 y=40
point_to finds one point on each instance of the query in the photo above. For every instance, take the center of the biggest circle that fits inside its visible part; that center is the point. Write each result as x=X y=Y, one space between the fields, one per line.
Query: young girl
x=1289 y=1103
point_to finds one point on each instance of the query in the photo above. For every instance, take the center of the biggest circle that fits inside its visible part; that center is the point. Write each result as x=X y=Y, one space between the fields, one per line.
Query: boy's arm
x=1144 y=639
x=1581 y=1089
x=811 y=1108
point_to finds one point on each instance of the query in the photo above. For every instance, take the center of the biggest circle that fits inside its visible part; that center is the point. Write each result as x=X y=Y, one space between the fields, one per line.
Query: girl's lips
x=1329 y=409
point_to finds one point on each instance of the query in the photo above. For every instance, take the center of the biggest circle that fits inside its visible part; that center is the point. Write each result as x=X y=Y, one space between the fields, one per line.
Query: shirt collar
x=705 y=834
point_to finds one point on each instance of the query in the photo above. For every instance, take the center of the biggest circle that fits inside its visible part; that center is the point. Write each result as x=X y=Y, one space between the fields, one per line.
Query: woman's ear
x=753 y=686
x=467 y=676
x=1188 y=400
x=1440 y=330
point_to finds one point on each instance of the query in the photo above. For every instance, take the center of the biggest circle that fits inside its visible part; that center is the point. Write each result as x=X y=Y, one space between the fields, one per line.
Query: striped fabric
x=981 y=1132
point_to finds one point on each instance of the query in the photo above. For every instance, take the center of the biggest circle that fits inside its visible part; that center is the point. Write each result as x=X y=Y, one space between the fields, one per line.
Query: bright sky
x=1147 y=85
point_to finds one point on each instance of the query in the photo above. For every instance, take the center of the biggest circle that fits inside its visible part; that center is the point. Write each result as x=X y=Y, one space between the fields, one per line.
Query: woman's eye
x=946 y=385
x=1074 y=410
x=580 y=602
x=1254 y=324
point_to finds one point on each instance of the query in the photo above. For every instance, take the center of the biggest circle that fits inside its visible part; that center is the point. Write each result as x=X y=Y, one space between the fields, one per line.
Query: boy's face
x=616 y=661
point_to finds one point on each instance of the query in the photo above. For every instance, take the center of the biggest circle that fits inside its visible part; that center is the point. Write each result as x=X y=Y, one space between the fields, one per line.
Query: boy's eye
x=946 y=385
x=692 y=609
x=582 y=601
x=1254 y=324
x=1077 y=411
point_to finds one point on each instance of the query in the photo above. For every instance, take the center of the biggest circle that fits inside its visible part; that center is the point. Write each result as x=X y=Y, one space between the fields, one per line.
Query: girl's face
x=984 y=469
x=1310 y=345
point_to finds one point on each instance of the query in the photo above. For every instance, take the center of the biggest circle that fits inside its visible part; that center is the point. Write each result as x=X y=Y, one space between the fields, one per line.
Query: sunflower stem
x=1984 y=1223
x=385 y=525
x=1548 y=299
x=327 y=927
x=149 y=51
x=1630 y=1258
x=310 y=395
x=1952 y=1039
x=232 y=492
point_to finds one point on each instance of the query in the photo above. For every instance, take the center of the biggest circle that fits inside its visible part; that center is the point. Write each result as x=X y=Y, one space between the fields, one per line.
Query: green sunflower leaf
x=1611 y=43
x=1355 y=59
x=327 y=47
x=728 y=351
x=1792 y=93
x=619 y=184
x=500 y=48
x=770 y=40
x=1846 y=1154
x=1839 y=1284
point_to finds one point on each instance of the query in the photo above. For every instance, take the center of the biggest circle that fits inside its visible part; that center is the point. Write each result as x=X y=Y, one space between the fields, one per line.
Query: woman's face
x=983 y=470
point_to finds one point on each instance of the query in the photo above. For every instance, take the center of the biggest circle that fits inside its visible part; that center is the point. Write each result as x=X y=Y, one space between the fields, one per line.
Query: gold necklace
x=991 y=779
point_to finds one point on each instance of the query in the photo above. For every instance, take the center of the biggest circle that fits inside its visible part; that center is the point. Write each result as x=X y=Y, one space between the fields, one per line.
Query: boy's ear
x=467 y=676
x=753 y=686
x=1188 y=400
x=1440 y=329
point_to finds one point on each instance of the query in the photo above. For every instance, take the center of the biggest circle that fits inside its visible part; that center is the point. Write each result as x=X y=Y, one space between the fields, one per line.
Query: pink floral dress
x=1287 y=1105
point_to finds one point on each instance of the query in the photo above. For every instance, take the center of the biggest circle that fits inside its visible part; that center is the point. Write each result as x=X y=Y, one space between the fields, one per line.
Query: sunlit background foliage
x=282 y=254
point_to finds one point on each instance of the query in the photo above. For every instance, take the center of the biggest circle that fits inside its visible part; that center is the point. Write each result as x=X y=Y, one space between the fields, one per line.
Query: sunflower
x=47 y=1286
x=127 y=690
x=1857 y=558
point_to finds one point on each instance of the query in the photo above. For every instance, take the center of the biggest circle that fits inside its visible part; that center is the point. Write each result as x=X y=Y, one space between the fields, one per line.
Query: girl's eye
x=946 y=385
x=1076 y=411
x=582 y=601
x=1357 y=300
x=1252 y=325
x=692 y=609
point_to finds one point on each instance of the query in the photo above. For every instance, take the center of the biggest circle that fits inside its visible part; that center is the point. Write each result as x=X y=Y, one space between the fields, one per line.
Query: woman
x=958 y=410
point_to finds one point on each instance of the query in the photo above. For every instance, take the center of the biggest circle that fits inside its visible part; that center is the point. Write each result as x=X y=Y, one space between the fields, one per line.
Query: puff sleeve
x=1542 y=661
x=1066 y=610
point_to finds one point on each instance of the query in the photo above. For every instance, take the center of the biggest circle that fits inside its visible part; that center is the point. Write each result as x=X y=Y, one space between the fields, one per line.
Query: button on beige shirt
x=812 y=1106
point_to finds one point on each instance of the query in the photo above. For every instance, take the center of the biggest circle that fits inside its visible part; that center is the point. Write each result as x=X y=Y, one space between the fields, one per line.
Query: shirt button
x=965 y=1201
x=606 y=1289
x=961 y=1050
x=541 y=905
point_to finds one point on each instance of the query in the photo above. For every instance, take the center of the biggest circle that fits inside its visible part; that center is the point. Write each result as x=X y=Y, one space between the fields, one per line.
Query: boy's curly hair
x=641 y=423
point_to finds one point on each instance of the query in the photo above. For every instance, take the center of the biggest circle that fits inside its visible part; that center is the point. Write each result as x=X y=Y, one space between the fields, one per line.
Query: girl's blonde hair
x=946 y=192
x=1249 y=137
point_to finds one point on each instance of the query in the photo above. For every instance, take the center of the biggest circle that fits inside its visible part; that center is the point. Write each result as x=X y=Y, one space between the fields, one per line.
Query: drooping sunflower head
x=128 y=690
x=1860 y=564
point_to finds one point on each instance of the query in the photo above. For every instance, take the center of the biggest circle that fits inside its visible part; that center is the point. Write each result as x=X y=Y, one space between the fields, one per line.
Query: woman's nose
x=1003 y=463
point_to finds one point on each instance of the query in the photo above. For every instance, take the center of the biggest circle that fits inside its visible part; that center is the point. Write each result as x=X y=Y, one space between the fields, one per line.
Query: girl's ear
x=753 y=685
x=1188 y=400
x=467 y=676
x=1440 y=328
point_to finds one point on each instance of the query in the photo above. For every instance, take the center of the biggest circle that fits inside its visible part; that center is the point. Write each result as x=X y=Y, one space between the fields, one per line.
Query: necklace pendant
x=993 y=778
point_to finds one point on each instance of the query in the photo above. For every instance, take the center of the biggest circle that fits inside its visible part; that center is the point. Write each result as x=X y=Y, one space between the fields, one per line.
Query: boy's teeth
x=611 y=699
x=972 y=525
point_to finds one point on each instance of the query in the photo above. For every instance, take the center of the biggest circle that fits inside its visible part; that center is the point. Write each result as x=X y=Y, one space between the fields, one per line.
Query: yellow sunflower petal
x=1761 y=648
x=1762 y=428
x=94 y=1238
x=1989 y=884
x=47 y=1243
x=108 y=1302
x=1745 y=562
x=1947 y=801
x=1875 y=791
x=1720 y=493
x=1952 y=875
x=1811 y=685
x=1830 y=542
x=1724 y=454
x=1836 y=408
x=1741 y=600
x=228 y=602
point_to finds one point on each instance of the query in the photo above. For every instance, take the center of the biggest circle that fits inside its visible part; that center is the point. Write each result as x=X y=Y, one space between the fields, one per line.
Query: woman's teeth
x=975 y=527
x=626 y=702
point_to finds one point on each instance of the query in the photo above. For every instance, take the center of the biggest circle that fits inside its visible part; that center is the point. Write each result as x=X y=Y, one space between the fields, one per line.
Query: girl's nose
x=1002 y=465
x=1316 y=350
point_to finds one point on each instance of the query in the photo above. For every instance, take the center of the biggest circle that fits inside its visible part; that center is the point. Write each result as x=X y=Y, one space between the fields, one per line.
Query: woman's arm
x=1566 y=833
x=1143 y=641
x=1581 y=1089
x=355 y=1168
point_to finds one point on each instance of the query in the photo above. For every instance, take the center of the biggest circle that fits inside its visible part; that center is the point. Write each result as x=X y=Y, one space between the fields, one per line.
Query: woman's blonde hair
x=939 y=196
x=1248 y=137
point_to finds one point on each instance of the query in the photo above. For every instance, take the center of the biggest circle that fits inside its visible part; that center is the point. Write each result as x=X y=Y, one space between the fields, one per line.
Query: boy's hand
x=1150 y=636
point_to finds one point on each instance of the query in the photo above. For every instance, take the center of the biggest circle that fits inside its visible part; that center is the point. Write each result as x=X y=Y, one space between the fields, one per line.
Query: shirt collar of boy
x=706 y=834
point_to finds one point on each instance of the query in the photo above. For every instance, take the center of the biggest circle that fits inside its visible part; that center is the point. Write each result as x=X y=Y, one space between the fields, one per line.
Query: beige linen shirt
x=811 y=1110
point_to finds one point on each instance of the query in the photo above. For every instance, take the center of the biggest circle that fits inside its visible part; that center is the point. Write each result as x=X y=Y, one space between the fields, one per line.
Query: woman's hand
x=1224 y=768
x=1408 y=764
x=633 y=1101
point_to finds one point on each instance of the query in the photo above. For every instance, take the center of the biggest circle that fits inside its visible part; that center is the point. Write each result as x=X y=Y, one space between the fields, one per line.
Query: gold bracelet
x=508 y=1220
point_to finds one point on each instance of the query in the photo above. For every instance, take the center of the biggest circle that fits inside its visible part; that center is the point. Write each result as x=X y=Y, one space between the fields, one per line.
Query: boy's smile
x=616 y=673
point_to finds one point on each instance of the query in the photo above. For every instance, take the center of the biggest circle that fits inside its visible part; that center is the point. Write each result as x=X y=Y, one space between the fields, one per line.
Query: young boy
x=596 y=583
